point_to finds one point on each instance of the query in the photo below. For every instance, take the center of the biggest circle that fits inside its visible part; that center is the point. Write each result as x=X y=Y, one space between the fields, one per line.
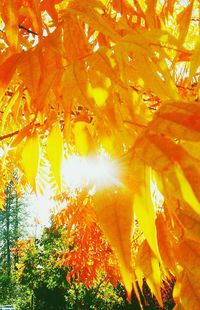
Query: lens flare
x=80 y=172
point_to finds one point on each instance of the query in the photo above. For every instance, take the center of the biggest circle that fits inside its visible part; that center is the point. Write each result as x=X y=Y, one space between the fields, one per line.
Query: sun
x=90 y=172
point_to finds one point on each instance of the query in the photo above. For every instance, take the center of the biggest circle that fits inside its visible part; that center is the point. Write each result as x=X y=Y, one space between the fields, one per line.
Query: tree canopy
x=82 y=76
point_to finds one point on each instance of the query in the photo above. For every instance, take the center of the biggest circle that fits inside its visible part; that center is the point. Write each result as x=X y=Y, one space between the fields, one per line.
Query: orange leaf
x=188 y=253
x=187 y=291
x=179 y=120
x=7 y=70
x=75 y=43
x=190 y=221
x=165 y=243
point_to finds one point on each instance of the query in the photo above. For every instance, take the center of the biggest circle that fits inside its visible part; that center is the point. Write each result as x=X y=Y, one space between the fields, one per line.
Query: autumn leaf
x=195 y=63
x=148 y=267
x=55 y=152
x=165 y=243
x=188 y=253
x=7 y=70
x=179 y=120
x=183 y=20
x=10 y=16
x=187 y=291
x=82 y=138
x=114 y=209
x=30 y=158
x=144 y=208
x=190 y=221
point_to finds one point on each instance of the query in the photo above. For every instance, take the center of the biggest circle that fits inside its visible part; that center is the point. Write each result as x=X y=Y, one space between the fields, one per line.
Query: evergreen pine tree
x=12 y=229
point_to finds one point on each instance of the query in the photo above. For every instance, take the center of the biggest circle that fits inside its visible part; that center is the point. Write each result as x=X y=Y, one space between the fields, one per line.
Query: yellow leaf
x=195 y=61
x=147 y=266
x=55 y=152
x=30 y=158
x=144 y=208
x=99 y=95
x=163 y=155
x=7 y=111
x=187 y=191
x=114 y=209
x=183 y=20
x=81 y=137
x=12 y=23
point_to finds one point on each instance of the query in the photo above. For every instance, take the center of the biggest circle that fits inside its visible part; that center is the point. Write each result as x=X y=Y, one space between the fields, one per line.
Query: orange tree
x=122 y=76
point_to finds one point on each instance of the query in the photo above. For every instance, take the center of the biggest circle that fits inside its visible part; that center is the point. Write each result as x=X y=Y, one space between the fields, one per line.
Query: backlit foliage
x=123 y=76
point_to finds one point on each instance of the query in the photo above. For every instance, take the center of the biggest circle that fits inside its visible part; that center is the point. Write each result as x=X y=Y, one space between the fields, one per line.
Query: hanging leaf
x=190 y=221
x=114 y=209
x=148 y=267
x=144 y=208
x=55 y=152
x=179 y=120
x=187 y=291
x=7 y=70
x=195 y=62
x=183 y=20
x=187 y=191
x=165 y=243
x=30 y=158
x=10 y=17
x=81 y=138
x=8 y=109
x=75 y=42
x=188 y=253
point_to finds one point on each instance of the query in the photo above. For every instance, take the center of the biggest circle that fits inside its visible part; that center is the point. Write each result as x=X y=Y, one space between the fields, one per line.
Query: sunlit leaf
x=195 y=62
x=82 y=138
x=187 y=191
x=55 y=152
x=179 y=120
x=165 y=243
x=114 y=209
x=189 y=291
x=30 y=158
x=7 y=70
x=144 y=208
x=184 y=20
x=148 y=266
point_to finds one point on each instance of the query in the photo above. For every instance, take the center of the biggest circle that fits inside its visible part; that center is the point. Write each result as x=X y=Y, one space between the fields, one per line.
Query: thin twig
x=14 y=133
x=135 y=124
x=170 y=48
x=28 y=30
x=9 y=135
